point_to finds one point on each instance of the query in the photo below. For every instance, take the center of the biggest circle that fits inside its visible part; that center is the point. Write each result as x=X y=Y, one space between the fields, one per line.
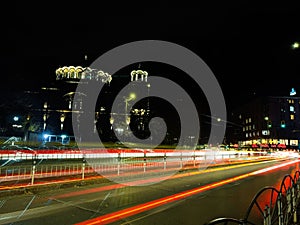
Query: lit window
x=240 y=116
x=249 y=120
x=250 y=134
x=246 y=135
x=292 y=116
x=292 y=108
x=249 y=127
x=253 y=126
x=294 y=142
x=246 y=121
x=253 y=134
x=244 y=129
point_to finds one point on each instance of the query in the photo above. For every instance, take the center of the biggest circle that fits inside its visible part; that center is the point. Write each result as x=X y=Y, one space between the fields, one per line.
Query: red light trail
x=114 y=216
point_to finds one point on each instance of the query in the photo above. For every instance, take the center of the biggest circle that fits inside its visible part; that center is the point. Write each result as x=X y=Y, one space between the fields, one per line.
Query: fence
x=280 y=209
x=30 y=164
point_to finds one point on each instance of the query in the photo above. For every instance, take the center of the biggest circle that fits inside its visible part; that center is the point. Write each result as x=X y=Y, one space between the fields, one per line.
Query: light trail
x=114 y=216
x=56 y=180
x=150 y=180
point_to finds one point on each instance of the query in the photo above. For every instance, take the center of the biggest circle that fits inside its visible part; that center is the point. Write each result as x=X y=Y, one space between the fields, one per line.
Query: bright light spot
x=295 y=45
x=132 y=96
x=16 y=118
x=17 y=125
x=292 y=92
x=46 y=136
x=266 y=118
x=63 y=136
x=219 y=119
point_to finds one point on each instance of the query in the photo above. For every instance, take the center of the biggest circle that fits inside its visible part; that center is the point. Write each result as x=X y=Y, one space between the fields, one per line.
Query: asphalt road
x=83 y=202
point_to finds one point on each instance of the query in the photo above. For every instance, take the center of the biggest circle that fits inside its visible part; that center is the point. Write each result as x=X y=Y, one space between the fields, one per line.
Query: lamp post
x=62 y=119
x=132 y=96
x=295 y=45
x=111 y=121
x=45 y=116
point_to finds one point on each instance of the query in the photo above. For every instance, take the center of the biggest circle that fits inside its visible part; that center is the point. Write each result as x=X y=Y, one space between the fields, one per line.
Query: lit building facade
x=267 y=122
x=132 y=114
x=57 y=103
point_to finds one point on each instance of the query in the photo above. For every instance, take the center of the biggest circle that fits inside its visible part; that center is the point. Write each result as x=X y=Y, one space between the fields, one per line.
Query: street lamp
x=295 y=45
x=111 y=121
x=45 y=116
x=62 y=119
x=132 y=96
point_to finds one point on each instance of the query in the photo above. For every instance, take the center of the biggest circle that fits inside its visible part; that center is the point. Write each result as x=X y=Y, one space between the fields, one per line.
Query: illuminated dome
x=135 y=74
x=82 y=73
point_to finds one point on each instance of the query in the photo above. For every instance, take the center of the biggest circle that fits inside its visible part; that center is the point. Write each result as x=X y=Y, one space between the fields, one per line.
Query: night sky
x=247 y=47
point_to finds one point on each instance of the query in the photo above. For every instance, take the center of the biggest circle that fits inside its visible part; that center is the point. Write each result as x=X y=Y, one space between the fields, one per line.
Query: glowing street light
x=62 y=119
x=132 y=96
x=295 y=45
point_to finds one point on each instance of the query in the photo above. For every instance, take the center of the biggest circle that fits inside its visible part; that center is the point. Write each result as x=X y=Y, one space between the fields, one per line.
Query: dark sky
x=246 y=46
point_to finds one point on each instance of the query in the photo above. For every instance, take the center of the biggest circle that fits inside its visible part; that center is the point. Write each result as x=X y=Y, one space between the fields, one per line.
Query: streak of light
x=114 y=216
x=150 y=180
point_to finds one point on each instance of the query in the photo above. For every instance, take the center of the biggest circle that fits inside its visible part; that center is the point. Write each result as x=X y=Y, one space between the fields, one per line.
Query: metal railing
x=280 y=209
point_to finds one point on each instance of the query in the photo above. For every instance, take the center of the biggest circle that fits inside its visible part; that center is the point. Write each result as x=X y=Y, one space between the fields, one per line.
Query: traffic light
x=282 y=124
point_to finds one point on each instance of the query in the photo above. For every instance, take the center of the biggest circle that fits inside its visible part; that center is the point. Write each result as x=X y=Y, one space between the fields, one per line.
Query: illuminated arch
x=136 y=73
x=78 y=70
x=65 y=71
x=72 y=72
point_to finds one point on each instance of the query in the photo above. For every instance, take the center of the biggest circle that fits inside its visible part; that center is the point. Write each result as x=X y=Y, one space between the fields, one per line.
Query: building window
x=292 y=117
x=253 y=126
x=292 y=108
x=246 y=135
x=294 y=142
x=249 y=120
x=246 y=121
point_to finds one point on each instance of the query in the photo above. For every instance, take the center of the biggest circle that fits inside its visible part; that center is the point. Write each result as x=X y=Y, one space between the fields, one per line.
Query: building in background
x=45 y=114
x=271 y=122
